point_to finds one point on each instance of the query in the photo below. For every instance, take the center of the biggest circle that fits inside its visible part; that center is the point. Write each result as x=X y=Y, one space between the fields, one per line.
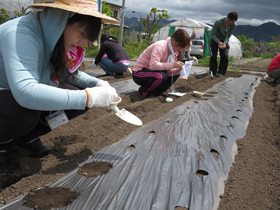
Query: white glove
x=93 y=63
x=102 y=83
x=101 y=96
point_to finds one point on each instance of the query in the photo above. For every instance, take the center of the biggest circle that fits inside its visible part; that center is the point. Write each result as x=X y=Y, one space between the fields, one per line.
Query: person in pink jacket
x=159 y=66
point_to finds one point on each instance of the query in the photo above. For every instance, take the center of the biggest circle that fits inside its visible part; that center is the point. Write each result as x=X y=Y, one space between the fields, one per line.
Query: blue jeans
x=110 y=68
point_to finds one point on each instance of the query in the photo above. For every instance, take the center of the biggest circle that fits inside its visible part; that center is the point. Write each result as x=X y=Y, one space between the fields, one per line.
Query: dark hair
x=104 y=37
x=57 y=60
x=182 y=38
x=233 y=16
x=107 y=36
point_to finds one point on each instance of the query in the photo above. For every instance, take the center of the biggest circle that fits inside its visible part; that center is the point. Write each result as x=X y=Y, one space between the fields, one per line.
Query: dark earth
x=253 y=182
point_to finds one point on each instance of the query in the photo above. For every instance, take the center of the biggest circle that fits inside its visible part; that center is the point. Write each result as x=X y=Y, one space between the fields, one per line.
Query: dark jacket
x=112 y=48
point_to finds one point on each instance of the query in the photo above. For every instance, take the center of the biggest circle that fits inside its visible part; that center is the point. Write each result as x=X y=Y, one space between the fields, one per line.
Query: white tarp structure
x=192 y=25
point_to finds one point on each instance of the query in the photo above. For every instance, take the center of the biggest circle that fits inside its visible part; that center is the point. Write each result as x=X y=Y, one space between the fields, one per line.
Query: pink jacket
x=155 y=58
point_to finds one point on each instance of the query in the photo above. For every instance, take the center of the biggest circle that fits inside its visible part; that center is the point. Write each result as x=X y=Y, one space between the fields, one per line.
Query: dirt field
x=253 y=182
x=254 y=64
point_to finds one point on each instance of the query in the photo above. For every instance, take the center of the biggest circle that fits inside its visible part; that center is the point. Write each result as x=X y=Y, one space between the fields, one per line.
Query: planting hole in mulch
x=230 y=126
x=201 y=173
x=211 y=92
x=94 y=169
x=131 y=147
x=215 y=153
x=180 y=208
x=208 y=95
x=152 y=132
x=49 y=198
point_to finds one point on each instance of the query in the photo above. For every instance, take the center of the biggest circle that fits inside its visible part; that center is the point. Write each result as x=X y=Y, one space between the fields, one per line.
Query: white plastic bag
x=184 y=73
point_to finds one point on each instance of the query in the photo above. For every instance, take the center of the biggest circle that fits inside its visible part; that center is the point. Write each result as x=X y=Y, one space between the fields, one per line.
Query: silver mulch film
x=175 y=162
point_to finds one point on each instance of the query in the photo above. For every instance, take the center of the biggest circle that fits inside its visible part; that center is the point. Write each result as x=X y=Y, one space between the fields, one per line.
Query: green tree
x=17 y=14
x=276 y=43
x=151 y=22
x=106 y=9
x=4 y=15
x=247 y=44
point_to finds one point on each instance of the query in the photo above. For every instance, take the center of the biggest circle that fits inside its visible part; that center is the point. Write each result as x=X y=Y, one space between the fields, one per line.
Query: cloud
x=251 y=12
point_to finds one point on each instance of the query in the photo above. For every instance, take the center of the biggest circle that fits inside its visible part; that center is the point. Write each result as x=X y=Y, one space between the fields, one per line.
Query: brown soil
x=48 y=198
x=95 y=169
x=253 y=182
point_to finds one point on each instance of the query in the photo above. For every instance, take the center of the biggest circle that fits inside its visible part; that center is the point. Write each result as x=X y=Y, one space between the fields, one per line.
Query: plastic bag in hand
x=101 y=96
x=184 y=73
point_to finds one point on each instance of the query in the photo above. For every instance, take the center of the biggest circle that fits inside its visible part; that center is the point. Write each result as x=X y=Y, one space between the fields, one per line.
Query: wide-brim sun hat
x=84 y=7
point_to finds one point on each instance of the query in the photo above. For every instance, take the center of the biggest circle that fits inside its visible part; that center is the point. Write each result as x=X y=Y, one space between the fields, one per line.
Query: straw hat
x=84 y=7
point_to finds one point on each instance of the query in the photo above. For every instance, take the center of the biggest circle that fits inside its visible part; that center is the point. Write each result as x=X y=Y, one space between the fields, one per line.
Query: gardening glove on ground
x=102 y=83
x=100 y=96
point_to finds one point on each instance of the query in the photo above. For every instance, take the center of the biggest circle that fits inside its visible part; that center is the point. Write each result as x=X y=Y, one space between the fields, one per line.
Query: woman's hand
x=100 y=96
x=222 y=45
x=178 y=64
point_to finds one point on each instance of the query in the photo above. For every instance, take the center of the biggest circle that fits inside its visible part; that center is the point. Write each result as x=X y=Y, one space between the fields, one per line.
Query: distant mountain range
x=133 y=23
x=263 y=32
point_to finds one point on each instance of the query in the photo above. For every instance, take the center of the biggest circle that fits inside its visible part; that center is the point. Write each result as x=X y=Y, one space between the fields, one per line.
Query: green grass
x=266 y=56
x=204 y=61
x=236 y=69
x=91 y=52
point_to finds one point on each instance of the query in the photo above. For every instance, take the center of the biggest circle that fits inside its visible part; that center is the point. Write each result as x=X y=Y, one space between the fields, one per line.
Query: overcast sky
x=250 y=12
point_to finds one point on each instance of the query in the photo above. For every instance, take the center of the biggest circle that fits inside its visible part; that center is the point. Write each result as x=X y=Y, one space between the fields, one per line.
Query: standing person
x=36 y=65
x=273 y=69
x=220 y=34
x=116 y=60
x=159 y=66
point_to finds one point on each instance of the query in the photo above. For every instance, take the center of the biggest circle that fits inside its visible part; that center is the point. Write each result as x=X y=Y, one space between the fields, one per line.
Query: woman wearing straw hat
x=40 y=56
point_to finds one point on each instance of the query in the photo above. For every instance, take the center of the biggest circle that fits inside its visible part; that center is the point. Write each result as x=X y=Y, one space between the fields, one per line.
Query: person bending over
x=273 y=69
x=41 y=86
x=159 y=66
x=116 y=60
x=220 y=34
